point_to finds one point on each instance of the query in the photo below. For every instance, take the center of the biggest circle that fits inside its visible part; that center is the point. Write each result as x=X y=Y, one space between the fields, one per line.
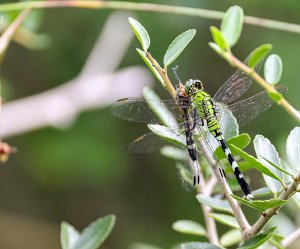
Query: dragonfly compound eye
x=198 y=85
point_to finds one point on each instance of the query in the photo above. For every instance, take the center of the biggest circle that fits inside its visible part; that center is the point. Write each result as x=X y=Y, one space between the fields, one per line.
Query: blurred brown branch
x=98 y=85
x=209 y=14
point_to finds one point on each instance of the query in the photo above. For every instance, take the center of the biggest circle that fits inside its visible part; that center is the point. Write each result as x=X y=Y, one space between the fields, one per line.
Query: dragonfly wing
x=147 y=143
x=236 y=85
x=138 y=110
x=248 y=109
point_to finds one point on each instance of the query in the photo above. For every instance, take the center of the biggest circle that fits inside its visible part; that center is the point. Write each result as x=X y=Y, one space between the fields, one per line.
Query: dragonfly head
x=193 y=86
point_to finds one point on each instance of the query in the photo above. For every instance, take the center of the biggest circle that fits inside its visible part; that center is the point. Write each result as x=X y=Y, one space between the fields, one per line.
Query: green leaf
x=168 y=134
x=185 y=176
x=278 y=167
x=175 y=153
x=240 y=141
x=158 y=107
x=149 y=64
x=264 y=149
x=225 y=219
x=143 y=246
x=228 y=123
x=275 y=96
x=293 y=148
x=95 y=234
x=232 y=24
x=231 y=237
x=262 y=192
x=198 y=245
x=273 y=69
x=140 y=32
x=261 y=205
x=189 y=227
x=214 y=203
x=178 y=45
x=256 y=163
x=68 y=235
x=259 y=54
x=218 y=38
x=258 y=239
x=216 y=48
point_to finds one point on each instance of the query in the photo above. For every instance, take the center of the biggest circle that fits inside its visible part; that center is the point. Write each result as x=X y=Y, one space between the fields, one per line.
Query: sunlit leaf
x=68 y=235
x=140 y=32
x=264 y=149
x=225 y=219
x=232 y=24
x=240 y=141
x=215 y=47
x=189 y=227
x=149 y=64
x=293 y=148
x=95 y=234
x=260 y=205
x=259 y=54
x=175 y=153
x=168 y=134
x=273 y=69
x=218 y=37
x=256 y=163
x=231 y=237
x=258 y=239
x=178 y=45
x=262 y=192
x=214 y=203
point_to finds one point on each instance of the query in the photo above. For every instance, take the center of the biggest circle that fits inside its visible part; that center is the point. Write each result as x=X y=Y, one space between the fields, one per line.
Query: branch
x=270 y=89
x=237 y=211
x=291 y=239
x=204 y=13
x=210 y=224
x=96 y=86
x=7 y=36
x=266 y=216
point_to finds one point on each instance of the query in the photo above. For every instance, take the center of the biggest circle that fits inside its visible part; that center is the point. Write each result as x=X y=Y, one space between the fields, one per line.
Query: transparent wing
x=246 y=110
x=236 y=85
x=150 y=143
x=138 y=110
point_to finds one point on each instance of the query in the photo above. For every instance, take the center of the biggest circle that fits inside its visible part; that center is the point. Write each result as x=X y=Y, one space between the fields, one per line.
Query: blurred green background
x=82 y=172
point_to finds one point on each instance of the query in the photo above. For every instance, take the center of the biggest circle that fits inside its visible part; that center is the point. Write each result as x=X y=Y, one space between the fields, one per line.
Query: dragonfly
x=140 y=110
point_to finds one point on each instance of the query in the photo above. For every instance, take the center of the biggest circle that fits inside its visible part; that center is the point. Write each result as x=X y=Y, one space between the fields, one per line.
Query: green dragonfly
x=141 y=110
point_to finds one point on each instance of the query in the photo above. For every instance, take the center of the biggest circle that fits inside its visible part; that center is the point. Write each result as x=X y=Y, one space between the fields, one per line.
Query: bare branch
x=91 y=89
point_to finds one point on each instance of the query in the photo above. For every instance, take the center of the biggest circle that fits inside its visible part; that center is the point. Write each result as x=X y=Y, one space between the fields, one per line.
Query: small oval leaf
x=214 y=203
x=232 y=24
x=216 y=48
x=189 y=227
x=218 y=38
x=148 y=63
x=258 y=239
x=273 y=69
x=168 y=134
x=178 y=45
x=231 y=237
x=259 y=54
x=225 y=219
x=140 y=32
x=68 y=235
x=293 y=148
x=265 y=149
x=95 y=234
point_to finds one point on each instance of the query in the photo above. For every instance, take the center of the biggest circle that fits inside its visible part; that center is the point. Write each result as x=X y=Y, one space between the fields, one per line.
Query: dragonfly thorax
x=193 y=86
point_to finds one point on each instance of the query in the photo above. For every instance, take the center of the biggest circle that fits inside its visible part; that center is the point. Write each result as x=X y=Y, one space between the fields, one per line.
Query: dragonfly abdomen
x=238 y=174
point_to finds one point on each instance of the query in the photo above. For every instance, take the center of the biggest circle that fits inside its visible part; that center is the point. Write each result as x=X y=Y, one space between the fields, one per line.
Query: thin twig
x=7 y=36
x=179 y=10
x=237 y=211
x=270 y=89
x=262 y=221
x=210 y=223
x=291 y=239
